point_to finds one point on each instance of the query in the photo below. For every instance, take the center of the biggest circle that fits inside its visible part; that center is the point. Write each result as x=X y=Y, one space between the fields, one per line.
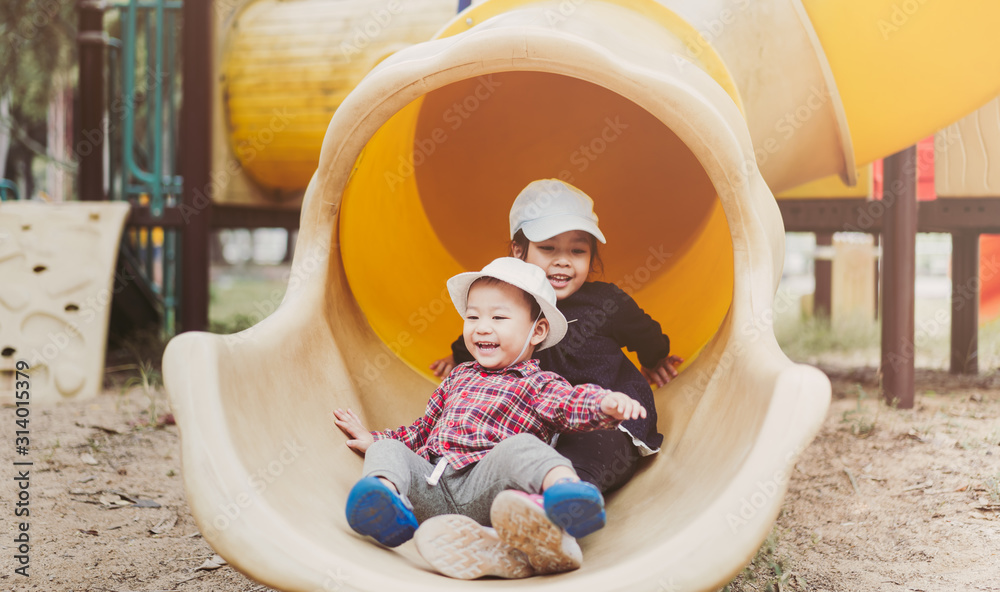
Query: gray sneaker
x=459 y=547
x=520 y=521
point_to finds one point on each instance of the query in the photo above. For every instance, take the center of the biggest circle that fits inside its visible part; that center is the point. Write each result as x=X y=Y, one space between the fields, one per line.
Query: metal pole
x=195 y=164
x=88 y=141
x=899 y=231
x=965 y=302
x=823 y=272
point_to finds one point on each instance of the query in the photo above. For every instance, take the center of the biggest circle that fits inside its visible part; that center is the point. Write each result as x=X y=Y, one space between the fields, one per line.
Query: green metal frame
x=8 y=189
x=143 y=98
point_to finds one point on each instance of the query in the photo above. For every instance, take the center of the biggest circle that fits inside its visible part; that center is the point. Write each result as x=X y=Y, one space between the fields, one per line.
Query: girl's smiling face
x=565 y=258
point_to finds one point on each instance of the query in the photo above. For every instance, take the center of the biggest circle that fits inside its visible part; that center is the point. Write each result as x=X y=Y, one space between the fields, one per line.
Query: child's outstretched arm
x=351 y=425
x=623 y=407
x=584 y=407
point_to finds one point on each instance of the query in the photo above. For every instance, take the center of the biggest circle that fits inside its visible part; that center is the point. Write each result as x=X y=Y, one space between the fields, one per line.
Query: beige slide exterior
x=418 y=168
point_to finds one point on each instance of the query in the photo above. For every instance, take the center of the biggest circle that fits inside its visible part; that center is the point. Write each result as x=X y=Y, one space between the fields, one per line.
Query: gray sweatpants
x=519 y=462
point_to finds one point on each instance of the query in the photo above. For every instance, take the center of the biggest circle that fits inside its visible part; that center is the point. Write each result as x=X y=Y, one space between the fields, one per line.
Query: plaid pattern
x=602 y=320
x=475 y=409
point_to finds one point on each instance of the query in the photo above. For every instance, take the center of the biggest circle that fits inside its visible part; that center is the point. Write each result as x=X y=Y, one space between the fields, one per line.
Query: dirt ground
x=884 y=499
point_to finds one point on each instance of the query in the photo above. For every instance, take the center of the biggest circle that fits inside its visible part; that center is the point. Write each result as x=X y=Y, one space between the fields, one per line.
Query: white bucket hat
x=525 y=276
x=548 y=207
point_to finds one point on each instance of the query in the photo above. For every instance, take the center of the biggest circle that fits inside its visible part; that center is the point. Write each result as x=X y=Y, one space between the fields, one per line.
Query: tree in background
x=37 y=61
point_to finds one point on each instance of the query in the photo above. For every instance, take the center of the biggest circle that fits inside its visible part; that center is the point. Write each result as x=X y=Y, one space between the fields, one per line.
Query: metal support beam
x=899 y=236
x=965 y=302
x=831 y=215
x=289 y=246
x=823 y=272
x=195 y=163
x=948 y=214
x=223 y=216
x=90 y=129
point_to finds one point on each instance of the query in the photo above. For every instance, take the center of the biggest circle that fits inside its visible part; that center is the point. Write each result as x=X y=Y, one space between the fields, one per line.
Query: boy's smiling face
x=497 y=321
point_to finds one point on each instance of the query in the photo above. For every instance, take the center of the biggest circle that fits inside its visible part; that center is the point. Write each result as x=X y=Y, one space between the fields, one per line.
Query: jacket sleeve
x=634 y=329
x=460 y=352
x=415 y=435
x=572 y=408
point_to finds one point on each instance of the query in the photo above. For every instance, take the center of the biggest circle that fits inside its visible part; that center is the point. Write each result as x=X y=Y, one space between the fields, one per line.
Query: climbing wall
x=965 y=165
x=57 y=265
x=966 y=153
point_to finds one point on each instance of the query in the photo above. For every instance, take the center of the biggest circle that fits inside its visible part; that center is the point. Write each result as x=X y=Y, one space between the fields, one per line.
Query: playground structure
x=360 y=48
x=76 y=279
x=539 y=74
x=540 y=81
x=962 y=170
x=138 y=44
x=240 y=106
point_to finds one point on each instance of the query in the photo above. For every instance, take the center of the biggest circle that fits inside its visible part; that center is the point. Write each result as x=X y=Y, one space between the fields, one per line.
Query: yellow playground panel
x=681 y=119
x=284 y=68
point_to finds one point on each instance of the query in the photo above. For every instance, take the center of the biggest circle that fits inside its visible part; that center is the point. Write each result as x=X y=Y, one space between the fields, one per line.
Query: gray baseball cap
x=548 y=207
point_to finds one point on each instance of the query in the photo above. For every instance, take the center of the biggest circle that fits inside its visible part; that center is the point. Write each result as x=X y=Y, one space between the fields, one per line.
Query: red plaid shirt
x=475 y=409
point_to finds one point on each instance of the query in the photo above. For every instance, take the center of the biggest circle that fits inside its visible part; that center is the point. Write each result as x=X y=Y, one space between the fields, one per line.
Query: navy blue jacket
x=603 y=319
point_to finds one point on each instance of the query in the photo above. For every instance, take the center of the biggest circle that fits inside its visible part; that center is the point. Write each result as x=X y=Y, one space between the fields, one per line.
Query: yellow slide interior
x=430 y=196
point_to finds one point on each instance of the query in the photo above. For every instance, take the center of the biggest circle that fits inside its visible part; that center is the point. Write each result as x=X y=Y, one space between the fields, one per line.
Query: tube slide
x=680 y=119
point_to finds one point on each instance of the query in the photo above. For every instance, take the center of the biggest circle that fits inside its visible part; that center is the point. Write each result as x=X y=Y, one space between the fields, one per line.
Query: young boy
x=485 y=431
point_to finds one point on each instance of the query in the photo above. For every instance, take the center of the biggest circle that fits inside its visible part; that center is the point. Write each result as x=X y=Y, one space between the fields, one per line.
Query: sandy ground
x=884 y=499
x=887 y=499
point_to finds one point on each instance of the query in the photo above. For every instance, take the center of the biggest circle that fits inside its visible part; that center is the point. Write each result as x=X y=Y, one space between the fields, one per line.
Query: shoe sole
x=459 y=547
x=375 y=511
x=522 y=524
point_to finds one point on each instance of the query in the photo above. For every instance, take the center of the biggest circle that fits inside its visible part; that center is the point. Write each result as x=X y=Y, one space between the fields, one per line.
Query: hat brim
x=545 y=228
x=458 y=289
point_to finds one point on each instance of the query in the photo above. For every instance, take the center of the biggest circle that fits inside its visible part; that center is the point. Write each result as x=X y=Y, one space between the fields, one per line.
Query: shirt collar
x=522 y=369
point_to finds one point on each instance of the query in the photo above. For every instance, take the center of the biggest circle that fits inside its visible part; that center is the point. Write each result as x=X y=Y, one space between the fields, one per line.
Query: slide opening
x=430 y=194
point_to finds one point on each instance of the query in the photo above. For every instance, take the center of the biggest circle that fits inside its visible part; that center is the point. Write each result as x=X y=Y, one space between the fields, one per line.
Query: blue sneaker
x=375 y=510
x=577 y=506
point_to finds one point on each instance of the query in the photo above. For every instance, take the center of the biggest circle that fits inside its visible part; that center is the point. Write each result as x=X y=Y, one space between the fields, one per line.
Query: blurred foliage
x=37 y=43
x=857 y=341
x=232 y=324
x=238 y=302
x=804 y=336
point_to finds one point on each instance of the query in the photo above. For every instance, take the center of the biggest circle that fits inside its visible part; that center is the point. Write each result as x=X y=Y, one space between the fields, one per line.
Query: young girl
x=553 y=226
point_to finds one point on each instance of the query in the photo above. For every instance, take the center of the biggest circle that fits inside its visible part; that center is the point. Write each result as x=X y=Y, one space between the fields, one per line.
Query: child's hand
x=442 y=367
x=350 y=423
x=622 y=406
x=663 y=372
